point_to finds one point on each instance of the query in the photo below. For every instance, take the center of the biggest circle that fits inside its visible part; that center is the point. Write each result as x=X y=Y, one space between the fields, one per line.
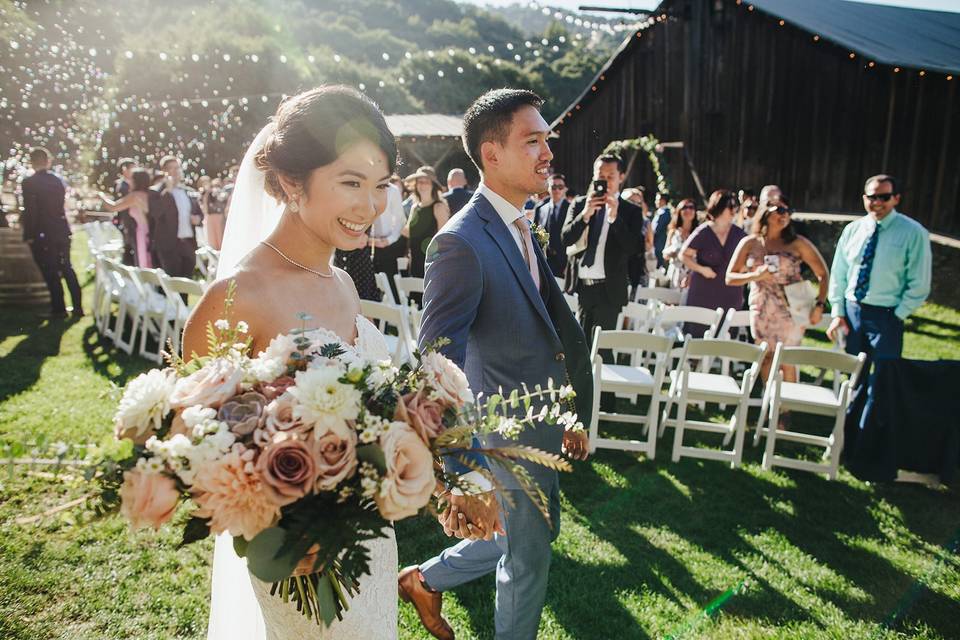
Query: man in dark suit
x=46 y=230
x=551 y=215
x=458 y=195
x=599 y=274
x=174 y=214
x=122 y=220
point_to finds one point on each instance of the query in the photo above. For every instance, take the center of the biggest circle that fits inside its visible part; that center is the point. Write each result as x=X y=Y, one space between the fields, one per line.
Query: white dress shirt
x=507 y=212
x=389 y=225
x=596 y=271
x=184 y=227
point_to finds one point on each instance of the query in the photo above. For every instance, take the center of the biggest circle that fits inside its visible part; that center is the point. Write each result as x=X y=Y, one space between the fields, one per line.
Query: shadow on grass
x=110 y=362
x=21 y=366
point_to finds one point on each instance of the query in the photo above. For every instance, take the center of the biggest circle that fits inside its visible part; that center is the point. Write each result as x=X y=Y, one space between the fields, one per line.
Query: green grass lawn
x=644 y=546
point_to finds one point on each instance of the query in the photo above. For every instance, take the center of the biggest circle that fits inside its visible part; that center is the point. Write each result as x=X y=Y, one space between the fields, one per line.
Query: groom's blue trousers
x=521 y=560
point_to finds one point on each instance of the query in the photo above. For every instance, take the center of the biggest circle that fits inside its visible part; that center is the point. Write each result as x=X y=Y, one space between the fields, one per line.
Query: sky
x=939 y=5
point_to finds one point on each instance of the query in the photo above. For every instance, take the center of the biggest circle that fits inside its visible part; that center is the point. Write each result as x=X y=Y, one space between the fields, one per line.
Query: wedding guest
x=174 y=213
x=881 y=274
x=768 y=260
x=457 y=194
x=707 y=253
x=122 y=220
x=550 y=215
x=46 y=230
x=213 y=202
x=613 y=229
x=639 y=265
x=661 y=221
x=749 y=205
x=681 y=225
x=428 y=214
x=359 y=266
x=386 y=236
x=136 y=204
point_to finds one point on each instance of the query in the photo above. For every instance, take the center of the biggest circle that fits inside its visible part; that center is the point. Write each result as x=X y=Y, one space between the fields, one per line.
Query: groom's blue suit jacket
x=503 y=332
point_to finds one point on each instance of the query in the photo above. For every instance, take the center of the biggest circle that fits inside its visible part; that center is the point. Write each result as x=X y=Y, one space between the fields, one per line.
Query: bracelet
x=821 y=304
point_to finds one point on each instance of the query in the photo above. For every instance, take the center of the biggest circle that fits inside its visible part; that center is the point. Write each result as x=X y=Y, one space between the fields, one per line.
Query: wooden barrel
x=20 y=281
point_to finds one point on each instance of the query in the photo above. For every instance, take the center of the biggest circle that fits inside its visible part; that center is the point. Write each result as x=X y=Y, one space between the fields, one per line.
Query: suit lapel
x=508 y=246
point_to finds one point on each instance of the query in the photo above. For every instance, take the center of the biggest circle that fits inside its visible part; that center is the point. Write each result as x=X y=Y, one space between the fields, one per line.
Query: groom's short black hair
x=488 y=118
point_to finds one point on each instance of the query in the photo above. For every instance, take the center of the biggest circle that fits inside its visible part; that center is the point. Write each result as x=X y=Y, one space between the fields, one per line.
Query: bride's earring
x=294 y=205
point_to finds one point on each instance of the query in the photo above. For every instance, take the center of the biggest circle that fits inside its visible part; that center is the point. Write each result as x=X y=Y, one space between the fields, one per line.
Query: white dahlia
x=145 y=402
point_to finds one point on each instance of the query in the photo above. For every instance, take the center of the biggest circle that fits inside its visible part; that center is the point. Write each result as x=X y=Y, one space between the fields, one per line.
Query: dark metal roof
x=897 y=36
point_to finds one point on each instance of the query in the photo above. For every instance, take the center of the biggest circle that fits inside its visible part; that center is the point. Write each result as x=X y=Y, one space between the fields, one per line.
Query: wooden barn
x=813 y=95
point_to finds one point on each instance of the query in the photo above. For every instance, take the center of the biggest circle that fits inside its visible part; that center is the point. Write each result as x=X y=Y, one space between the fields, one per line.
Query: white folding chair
x=160 y=314
x=662 y=295
x=735 y=326
x=131 y=304
x=407 y=285
x=383 y=314
x=175 y=289
x=402 y=264
x=383 y=283
x=573 y=301
x=632 y=381
x=207 y=260
x=107 y=308
x=635 y=317
x=689 y=386
x=669 y=322
x=814 y=399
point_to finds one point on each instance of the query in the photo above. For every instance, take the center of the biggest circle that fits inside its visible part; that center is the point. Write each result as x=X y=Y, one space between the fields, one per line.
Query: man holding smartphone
x=610 y=230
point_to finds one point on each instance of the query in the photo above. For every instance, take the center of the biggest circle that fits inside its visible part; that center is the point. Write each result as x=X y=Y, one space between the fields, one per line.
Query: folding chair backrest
x=182 y=285
x=836 y=361
x=630 y=340
x=150 y=277
x=639 y=315
x=660 y=294
x=407 y=285
x=741 y=351
x=670 y=316
x=733 y=319
x=383 y=283
x=381 y=313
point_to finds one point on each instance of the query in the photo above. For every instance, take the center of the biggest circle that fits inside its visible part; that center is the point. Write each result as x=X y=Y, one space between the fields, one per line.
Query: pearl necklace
x=295 y=263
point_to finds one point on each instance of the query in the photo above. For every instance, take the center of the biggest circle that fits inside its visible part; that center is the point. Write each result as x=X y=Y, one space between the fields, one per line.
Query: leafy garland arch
x=651 y=146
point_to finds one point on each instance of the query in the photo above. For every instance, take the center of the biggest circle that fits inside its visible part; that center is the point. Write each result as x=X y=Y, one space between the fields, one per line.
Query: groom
x=490 y=291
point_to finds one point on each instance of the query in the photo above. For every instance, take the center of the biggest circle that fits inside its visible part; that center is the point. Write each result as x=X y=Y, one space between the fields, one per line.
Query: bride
x=313 y=181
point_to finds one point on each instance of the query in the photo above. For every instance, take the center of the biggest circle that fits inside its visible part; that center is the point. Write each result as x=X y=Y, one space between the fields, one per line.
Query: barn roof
x=434 y=125
x=897 y=36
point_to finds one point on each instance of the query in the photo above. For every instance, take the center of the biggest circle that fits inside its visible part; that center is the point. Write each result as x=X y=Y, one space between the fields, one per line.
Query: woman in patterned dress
x=769 y=259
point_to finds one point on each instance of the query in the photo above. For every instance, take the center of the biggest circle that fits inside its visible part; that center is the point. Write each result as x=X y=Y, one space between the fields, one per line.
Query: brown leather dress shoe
x=427 y=603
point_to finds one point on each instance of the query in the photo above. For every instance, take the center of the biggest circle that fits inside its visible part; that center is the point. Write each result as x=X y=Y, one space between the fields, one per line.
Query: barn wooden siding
x=758 y=103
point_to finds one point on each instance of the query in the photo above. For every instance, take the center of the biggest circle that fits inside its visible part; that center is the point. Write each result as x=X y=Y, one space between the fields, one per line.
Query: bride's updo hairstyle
x=312 y=130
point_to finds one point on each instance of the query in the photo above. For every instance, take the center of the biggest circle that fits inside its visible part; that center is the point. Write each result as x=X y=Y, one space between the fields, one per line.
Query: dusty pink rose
x=273 y=390
x=409 y=481
x=243 y=413
x=218 y=381
x=337 y=459
x=278 y=417
x=147 y=499
x=421 y=413
x=447 y=379
x=231 y=493
x=288 y=465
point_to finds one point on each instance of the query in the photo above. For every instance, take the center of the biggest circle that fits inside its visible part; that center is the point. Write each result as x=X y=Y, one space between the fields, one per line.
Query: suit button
x=560 y=357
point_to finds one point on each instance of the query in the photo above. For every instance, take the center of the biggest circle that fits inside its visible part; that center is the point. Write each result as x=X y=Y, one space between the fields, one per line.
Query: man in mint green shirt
x=880 y=275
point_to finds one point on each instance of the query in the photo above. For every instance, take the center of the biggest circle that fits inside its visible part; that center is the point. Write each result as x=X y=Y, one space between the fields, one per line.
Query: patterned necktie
x=866 y=266
x=528 y=255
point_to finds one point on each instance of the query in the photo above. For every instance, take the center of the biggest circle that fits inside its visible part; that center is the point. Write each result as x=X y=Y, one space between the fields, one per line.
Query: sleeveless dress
x=423 y=226
x=142 y=248
x=241 y=607
x=770 y=318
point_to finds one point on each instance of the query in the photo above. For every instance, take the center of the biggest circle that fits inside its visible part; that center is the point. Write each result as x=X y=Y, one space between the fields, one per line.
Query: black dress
x=359 y=264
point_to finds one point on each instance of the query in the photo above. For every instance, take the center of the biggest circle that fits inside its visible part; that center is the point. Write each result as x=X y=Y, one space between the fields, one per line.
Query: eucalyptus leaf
x=264 y=556
x=326 y=599
x=240 y=545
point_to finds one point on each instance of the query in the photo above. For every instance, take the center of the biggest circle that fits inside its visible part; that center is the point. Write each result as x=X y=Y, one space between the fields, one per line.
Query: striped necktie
x=866 y=266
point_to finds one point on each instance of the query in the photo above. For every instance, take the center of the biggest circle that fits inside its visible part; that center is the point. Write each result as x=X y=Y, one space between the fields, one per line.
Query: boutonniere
x=540 y=235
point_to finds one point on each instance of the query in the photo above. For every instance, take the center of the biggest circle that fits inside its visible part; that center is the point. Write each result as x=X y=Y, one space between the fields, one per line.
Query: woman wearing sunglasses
x=769 y=260
x=682 y=224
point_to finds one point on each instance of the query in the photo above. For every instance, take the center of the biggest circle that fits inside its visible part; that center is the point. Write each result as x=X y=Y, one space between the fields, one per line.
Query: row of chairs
x=673 y=376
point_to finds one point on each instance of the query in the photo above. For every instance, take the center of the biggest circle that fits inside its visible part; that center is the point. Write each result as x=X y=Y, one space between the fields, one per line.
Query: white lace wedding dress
x=241 y=607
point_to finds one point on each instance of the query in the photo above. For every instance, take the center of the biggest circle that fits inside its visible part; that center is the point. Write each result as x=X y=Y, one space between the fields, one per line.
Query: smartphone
x=599 y=187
